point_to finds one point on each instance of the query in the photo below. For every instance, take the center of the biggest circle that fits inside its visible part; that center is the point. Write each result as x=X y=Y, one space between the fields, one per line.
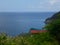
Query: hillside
x=54 y=17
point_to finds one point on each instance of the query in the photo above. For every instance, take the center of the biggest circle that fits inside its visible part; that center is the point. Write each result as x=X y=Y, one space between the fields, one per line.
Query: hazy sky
x=29 y=5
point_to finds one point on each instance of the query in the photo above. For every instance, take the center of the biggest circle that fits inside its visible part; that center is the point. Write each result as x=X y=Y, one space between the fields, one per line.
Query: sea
x=15 y=23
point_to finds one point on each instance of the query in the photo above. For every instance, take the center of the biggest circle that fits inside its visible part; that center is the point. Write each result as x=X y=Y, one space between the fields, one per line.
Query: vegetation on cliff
x=53 y=26
x=56 y=16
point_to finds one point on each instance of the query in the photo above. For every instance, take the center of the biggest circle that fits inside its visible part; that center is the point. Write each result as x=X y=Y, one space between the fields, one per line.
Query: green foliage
x=54 y=27
x=31 y=39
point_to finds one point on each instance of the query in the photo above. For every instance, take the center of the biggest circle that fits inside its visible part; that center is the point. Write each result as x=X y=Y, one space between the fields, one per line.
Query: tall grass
x=28 y=39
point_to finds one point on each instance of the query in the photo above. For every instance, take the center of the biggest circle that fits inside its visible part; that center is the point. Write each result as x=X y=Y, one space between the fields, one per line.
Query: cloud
x=52 y=2
x=49 y=2
x=42 y=5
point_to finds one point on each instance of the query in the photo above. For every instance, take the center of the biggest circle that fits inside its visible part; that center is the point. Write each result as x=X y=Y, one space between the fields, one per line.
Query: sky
x=29 y=5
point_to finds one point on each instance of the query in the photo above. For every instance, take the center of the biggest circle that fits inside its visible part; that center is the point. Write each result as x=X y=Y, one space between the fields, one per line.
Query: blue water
x=14 y=23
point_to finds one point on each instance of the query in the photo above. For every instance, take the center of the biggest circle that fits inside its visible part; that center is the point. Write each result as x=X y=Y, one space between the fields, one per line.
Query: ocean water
x=14 y=23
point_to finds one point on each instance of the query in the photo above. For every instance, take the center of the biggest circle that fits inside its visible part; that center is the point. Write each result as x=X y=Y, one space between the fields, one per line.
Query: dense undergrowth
x=28 y=39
